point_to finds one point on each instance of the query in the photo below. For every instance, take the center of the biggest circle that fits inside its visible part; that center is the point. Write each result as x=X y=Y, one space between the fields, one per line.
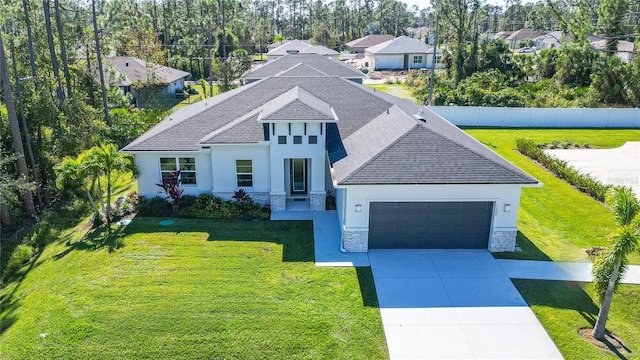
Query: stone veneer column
x=503 y=240
x=278 y=201
x=318 y=201
x=355 y=240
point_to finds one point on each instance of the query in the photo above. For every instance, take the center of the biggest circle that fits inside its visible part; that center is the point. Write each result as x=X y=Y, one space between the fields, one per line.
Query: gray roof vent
x=420 y=115
x=126 y=64
x=293 y=51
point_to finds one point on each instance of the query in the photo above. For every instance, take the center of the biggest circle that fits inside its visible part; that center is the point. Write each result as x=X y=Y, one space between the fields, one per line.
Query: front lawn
x=564 y=307
x=194 y=289
x=556 y=222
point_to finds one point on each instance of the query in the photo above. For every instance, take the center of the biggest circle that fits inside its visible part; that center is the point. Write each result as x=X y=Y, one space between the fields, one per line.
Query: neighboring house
x=305 y=65
x=358 y=45
x=302 y=47
x=521 y=35
x=418 y=32
x=400 y=53
x=282 y=42
x=131 y=74
x=502 y=35
x=548 y=40
x=402 y=176
x=624 y=52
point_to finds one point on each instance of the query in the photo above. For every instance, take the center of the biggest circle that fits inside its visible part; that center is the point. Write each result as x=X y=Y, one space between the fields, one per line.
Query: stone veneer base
x=503 y=240
x=317 y=201
x=278 y=202
x=355 y=240
x=261 y=198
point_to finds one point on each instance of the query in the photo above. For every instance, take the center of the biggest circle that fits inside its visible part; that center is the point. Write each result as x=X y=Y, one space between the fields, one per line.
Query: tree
x=111 y=162
x=9 y=185
x=611 y=14
x=15 y=129
x=230 y=70
x=76 y=173
x=52 y=52
x=609 y=269
x=103 y=89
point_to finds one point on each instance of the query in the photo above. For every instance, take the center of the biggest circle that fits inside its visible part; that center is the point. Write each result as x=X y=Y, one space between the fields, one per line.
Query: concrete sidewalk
x=564 y=271
x=326 y=241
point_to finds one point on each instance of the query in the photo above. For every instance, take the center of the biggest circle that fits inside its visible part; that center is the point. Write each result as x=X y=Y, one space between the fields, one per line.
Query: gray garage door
x=429 y=225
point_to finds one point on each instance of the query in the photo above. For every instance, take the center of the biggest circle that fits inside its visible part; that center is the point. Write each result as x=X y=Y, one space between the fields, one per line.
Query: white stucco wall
x=149 y=166
x=172 y=87
x=314 y=152
x=223 y=164
x=365 y=194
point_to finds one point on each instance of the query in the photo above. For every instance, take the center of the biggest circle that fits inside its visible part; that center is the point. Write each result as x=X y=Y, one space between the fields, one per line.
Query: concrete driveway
x=619 y=166
x=454 y=304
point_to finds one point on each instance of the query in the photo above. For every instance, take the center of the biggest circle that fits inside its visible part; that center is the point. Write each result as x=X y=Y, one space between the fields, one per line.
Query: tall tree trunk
x=5 y=216
x=603 y=314
x=15 y=129
x=63 y=50
x=92 y=202
x=23 y=125
x=32 y=58
x=52 y=52
x=103 y=89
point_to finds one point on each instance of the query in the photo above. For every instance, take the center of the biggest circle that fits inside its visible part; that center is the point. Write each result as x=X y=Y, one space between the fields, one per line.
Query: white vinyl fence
x=539 y=117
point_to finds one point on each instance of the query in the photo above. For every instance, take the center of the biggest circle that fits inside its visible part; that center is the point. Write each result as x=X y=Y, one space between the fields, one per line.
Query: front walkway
x=454 y=304
x=564 y=271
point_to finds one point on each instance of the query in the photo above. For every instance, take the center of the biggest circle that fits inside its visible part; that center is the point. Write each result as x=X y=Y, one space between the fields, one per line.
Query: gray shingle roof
x=137 y=70
x=369 y=40
x=301 y=46
x=305 y=65
x=377 y=140
x=400 y=45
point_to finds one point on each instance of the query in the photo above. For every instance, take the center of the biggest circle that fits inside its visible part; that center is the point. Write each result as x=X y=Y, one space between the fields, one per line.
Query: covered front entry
x=429 y=225
x=298 y=177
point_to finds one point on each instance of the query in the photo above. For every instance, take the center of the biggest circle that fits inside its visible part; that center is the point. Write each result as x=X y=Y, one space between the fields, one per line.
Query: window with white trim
x=244 y=173
x=186 y=165
x=417 y=59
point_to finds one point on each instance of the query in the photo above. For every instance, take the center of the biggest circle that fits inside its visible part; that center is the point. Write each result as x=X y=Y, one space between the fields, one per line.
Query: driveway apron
x=454 y=304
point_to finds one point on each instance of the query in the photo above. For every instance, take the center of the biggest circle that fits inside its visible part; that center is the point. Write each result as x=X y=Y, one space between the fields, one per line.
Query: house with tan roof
x=401 y=176
x=359 y=45
x=624 y=49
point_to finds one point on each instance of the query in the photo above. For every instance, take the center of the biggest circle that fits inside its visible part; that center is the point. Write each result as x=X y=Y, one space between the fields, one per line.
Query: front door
x=298 y=176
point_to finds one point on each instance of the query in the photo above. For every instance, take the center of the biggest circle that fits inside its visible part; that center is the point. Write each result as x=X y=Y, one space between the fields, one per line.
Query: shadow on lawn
x=296 y=237
x=95 y=239
x=529 y=250
x=563 y=295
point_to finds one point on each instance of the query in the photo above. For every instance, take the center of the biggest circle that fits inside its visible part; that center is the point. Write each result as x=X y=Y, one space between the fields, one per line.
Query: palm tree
x=75 y=173
x=110 y=161
x=609 y=269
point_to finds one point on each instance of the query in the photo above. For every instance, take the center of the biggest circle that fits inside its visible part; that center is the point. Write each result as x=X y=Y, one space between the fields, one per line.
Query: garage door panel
x=433 y=225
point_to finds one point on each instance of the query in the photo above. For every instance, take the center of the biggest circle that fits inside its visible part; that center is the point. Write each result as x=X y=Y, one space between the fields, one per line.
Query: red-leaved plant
x=171 y=188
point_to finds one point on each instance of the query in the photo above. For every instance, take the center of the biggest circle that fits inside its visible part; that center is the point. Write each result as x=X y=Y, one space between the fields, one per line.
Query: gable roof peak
x=297 y=104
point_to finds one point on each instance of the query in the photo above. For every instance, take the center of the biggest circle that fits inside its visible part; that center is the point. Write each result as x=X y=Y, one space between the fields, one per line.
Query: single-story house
x=282 y=42
x=502 y=35
x=131 y=74
x=402 y=176
x=400 y=53
x=358 y=45
x=302 y=47
x=624 y=51
x=549 y=40
x=418 y=32
x=523 y=34
x=305 y=65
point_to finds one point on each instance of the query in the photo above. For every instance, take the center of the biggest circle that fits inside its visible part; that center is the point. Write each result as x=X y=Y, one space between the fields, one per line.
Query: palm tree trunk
x=103 y=89
x=601 y=322
x=104 y=211
x=52 y=52
x=23 y=124
x=32 y=57
x=63 y=50
x=15 y=129
x=92 y=202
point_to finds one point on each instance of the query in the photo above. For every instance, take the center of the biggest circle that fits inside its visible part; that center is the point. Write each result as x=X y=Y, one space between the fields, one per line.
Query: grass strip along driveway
x=557 y=222
x=194 y=289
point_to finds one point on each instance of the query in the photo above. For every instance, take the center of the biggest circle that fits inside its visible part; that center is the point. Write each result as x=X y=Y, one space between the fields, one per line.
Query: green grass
x=259 y=57
x=556 y=221
x=190 y=99
x=195 y=289
x=564 y=307
x=398 y=90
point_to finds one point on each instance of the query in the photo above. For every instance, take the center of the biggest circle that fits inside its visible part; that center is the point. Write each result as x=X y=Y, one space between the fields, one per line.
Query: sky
x=427 y=3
